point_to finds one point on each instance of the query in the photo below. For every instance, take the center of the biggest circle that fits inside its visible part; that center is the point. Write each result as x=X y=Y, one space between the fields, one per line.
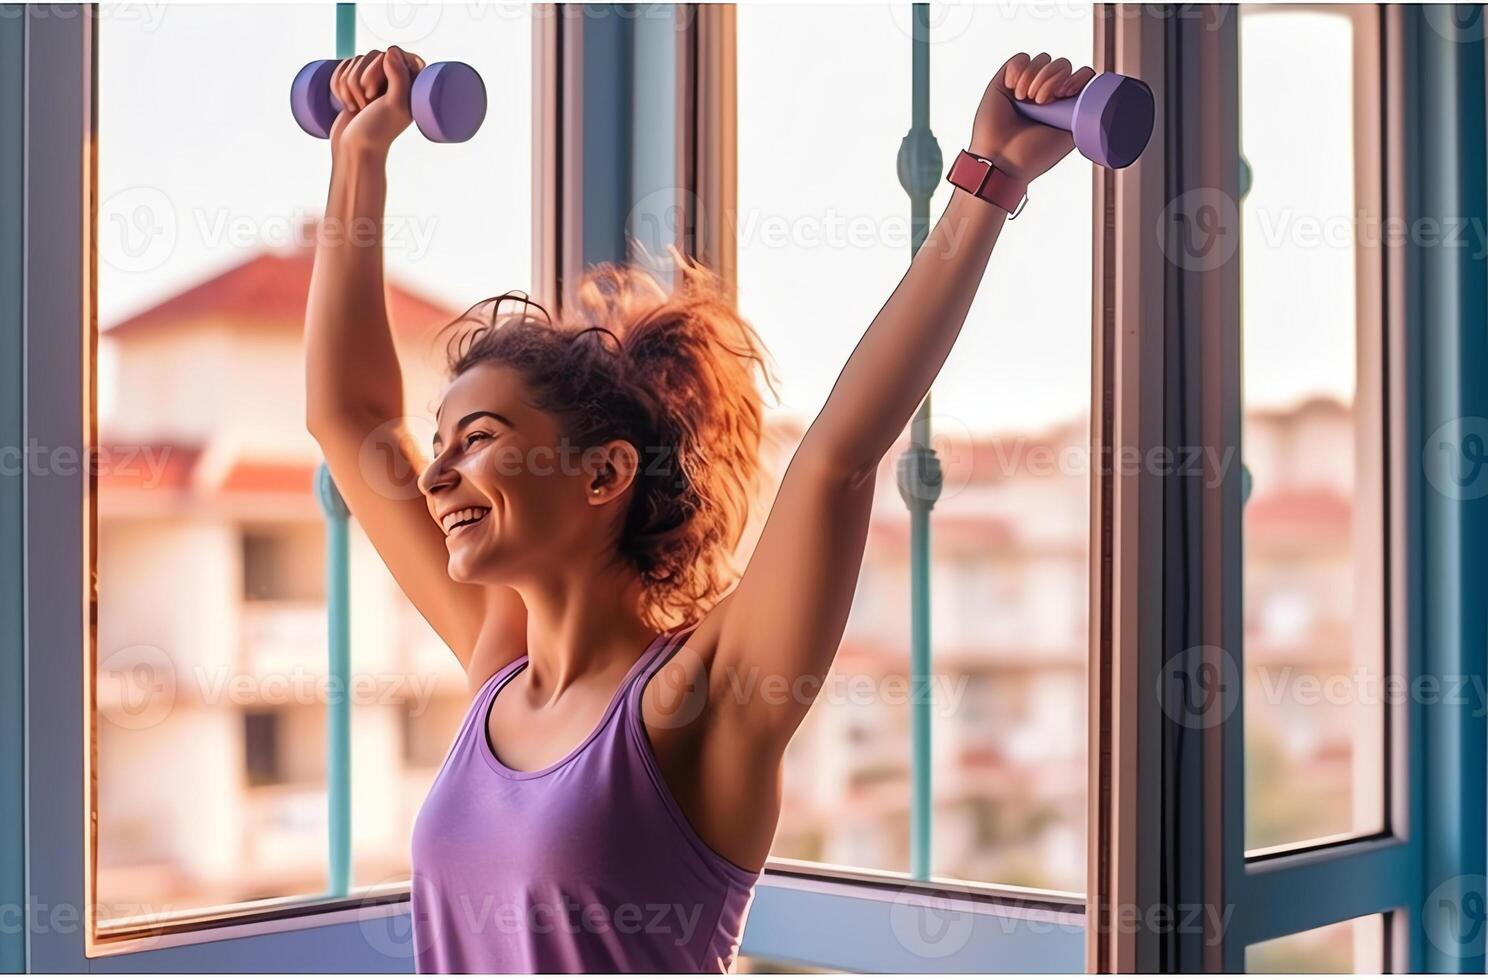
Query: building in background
x=211 y=562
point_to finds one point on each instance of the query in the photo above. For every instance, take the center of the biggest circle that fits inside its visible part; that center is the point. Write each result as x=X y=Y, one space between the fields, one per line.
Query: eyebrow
x=479 y=413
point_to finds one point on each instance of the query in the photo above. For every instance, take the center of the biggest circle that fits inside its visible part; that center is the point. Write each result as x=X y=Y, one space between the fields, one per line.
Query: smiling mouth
x=468 y=517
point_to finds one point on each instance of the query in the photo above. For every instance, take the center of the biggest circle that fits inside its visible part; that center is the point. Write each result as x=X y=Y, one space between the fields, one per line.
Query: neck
x=583 y=622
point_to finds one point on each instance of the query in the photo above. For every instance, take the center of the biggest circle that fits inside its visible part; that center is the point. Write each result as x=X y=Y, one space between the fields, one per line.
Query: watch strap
x=979 y=178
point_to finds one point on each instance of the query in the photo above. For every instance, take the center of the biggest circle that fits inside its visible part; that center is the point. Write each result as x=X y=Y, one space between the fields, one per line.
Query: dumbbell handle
x=448 y=100
x=1060 y=113
x=1111 y=118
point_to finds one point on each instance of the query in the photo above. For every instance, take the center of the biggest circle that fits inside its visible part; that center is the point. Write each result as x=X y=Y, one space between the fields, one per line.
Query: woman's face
x=514 y=498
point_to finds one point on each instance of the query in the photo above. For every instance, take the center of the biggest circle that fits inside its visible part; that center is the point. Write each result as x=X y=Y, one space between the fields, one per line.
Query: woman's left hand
x=1014 y=143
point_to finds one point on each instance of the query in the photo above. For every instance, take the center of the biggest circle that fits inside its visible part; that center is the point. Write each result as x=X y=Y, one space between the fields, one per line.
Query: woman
x=612 y=793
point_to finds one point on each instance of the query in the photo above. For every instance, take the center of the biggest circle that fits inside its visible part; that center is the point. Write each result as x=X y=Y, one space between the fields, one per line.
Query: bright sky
x=1298 y=219
x=202 y=166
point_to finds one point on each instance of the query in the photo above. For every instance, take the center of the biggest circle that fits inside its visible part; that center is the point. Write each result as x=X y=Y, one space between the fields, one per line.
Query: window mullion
x=60 y=600
x=338 y=682
x=12 y=526
x=1166 y=803
x=338 y=622
x=919 y=469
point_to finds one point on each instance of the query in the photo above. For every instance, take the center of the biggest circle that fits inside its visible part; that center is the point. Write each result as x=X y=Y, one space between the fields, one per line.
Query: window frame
x=12 y=521
x=804 y=913
x=802 y=908
x=1305 y=885
x=1425 y=88
x=1373 y=403
x=58 y=97
x=1038 y=929
x=61 y=925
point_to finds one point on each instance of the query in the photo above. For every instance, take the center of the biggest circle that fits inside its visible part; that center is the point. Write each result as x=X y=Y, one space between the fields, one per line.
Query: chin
x=465 y=572
x=479 y=569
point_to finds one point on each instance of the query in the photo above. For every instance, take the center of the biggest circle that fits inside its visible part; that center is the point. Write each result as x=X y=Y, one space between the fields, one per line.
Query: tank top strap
x=502 y=673
x=482 y=698
x=666 y=646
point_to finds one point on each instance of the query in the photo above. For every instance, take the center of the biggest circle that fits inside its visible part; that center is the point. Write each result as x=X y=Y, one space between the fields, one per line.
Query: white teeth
x=454 y=518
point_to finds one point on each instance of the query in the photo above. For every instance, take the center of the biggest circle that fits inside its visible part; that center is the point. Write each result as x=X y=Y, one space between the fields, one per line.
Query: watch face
x=980 y=179
x=968 y=172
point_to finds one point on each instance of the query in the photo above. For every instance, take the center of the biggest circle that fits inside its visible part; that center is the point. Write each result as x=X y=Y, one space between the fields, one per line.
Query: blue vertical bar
x=652 y=220
x=919 y=597
x=345 y=30
x=338 y=622
x=12 y=562
x=1450 y=311
x=919 y=469
x=607 y=140
x=338 y=682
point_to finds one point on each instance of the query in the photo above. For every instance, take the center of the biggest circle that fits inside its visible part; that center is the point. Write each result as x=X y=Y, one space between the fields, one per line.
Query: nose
x=438 y=475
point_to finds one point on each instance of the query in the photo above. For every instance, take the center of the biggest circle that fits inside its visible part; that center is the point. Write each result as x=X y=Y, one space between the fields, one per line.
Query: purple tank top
x=585 y=866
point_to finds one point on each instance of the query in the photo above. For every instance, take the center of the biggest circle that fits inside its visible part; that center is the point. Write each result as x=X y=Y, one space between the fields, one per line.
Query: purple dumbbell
x=1111 y=118
x=449 y=100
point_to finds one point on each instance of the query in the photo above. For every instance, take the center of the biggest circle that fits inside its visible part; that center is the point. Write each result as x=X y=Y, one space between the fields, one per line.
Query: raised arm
x=785 y=619
x=353 y=383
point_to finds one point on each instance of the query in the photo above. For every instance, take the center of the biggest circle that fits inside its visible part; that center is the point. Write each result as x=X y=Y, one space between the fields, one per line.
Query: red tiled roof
x=269 y=290
x=172 y=467
x=955 y=534
x=162 y=466
x=253 y=476
x=1307 y=507
x=1060 y=453
x=1315 y=405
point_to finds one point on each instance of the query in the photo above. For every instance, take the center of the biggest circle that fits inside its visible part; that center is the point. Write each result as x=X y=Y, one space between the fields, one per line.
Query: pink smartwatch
x=978 y=177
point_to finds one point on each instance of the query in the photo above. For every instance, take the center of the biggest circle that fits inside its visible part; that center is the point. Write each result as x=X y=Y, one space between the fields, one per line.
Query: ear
x=610 y=470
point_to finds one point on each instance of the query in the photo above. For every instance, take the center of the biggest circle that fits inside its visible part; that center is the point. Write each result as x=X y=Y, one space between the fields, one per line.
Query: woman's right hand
x=374 y=90
x=1016 y=144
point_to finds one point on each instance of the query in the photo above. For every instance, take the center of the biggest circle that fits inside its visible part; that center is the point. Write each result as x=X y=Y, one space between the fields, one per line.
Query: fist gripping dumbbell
x=1111 y=118
x=449 y=100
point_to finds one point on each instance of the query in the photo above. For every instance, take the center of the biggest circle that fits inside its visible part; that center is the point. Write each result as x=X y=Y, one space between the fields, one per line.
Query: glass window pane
x=1354 y=946
x=1313 y=524
x=821 y=246
x=211 y=635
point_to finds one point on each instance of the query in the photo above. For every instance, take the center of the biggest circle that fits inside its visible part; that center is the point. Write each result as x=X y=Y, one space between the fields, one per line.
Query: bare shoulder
x=702 y=694
x=726 y=782
x=683 y=690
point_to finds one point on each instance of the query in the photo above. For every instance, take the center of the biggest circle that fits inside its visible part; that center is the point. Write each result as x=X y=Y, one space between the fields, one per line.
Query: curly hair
x=672 y=373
